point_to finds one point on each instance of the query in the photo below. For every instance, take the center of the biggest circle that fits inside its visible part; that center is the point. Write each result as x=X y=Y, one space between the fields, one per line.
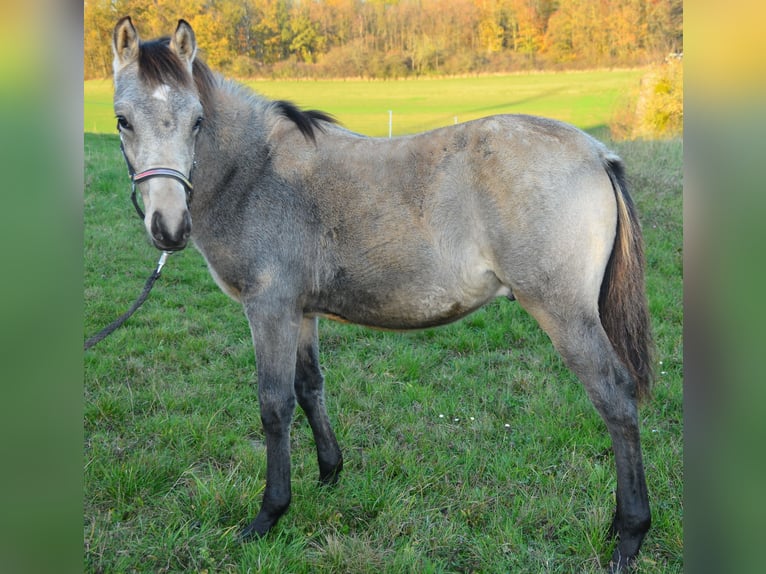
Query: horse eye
x=123 y=124
x=198 y=123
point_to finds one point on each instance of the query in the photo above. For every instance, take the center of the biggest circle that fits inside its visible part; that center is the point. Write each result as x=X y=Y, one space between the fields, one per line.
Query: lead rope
x=109 y=329
x=135 y=179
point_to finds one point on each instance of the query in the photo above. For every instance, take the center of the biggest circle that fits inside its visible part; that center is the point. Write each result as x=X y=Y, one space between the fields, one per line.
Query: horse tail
x=622 y=301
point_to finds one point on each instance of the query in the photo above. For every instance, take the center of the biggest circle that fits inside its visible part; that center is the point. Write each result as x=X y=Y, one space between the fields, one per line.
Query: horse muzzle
x=168 y=234
x=170 y=237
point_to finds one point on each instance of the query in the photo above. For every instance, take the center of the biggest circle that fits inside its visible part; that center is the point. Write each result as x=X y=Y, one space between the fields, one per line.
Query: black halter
x=137 y=178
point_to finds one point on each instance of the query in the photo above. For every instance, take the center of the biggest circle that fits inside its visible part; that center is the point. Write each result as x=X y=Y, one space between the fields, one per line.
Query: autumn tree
x=393 y=38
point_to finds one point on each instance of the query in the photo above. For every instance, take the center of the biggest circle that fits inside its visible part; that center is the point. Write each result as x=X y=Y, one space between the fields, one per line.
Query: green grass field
x=585 y=99
x=468 y=448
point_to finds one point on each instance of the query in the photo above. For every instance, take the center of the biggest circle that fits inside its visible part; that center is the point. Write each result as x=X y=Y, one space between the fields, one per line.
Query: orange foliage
x=385 y=38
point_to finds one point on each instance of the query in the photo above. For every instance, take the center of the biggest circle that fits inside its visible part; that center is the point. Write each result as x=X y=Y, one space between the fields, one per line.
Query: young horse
x=299 y=218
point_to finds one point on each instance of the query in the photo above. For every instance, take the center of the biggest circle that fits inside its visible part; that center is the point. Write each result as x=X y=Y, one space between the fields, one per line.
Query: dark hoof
x=330 y=477
x=619 y=563
x=256 y=529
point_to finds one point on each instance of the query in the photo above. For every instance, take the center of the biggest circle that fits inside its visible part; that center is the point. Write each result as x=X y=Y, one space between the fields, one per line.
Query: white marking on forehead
x=161 y=93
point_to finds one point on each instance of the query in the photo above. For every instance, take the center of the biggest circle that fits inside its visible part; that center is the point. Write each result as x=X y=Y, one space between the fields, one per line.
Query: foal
x=299 y=218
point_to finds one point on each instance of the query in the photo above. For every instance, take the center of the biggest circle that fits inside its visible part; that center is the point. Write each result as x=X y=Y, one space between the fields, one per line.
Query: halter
x=137 y=178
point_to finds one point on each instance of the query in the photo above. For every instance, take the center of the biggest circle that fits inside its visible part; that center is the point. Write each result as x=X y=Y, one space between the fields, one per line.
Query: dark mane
x=305 y=120
x=158 y=64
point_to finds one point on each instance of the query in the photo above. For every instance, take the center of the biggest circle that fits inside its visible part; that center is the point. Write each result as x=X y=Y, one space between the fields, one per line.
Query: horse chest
x=224 y=269
x=227 y=286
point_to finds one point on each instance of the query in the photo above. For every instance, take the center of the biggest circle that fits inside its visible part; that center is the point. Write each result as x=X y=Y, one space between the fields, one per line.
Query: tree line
x=398 y=38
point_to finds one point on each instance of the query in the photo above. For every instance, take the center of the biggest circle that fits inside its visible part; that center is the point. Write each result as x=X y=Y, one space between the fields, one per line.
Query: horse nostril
x=157 y=227
x=186 y=225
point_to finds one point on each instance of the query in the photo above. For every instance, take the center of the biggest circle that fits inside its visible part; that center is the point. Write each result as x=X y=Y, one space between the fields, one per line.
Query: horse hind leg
x=309 y=390
x=586 y=349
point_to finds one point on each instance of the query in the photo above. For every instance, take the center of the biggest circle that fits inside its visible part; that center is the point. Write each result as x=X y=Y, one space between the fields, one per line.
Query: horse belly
x=440 y=308
x=416 y=304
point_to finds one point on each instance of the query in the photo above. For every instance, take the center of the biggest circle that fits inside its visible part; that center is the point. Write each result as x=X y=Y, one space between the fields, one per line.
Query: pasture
x=468 y=448
x=585 y=99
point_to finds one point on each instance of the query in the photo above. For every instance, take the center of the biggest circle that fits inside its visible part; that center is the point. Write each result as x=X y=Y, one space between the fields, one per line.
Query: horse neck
x=235 y=136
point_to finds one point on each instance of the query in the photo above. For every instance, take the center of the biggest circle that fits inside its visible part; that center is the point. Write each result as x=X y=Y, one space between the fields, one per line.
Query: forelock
x=158 y=65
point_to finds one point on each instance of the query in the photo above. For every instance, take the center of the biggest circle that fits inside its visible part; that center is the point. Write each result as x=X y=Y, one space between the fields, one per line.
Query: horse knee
x=276 y=411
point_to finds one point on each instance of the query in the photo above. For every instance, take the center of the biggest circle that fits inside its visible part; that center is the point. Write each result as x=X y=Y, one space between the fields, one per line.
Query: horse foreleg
x=309 y=389
x=275 y=341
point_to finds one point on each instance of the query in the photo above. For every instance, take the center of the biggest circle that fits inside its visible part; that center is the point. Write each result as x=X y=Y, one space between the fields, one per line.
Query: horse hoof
x=331 y=476
x=617 y=564
x=251 y=532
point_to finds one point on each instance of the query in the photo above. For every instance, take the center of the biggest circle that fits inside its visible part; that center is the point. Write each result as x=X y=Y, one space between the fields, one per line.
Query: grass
x=468 y=448
x=585 y=99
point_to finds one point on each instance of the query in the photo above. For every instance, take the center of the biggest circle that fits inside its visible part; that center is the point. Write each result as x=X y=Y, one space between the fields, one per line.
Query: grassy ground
x=585 y=99
x=469 y=448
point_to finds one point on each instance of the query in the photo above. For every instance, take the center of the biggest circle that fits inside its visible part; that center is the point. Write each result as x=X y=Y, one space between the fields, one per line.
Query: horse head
x=159 y=115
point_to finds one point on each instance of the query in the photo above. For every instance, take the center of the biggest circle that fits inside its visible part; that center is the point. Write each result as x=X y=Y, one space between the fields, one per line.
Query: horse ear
x=124 y=43
x=184 y=44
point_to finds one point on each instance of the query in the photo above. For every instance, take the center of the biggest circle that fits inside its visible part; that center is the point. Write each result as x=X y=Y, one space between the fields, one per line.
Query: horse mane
x=305 y=120
x=158 y=64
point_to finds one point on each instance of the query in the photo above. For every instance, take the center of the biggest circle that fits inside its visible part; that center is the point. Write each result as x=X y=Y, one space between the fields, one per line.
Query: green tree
x=270 y=31
x=211 y=29
x=307 y=42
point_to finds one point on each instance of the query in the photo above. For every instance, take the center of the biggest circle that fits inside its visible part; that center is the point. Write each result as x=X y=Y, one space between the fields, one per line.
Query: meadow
x=585 y=99
x=468 y=448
